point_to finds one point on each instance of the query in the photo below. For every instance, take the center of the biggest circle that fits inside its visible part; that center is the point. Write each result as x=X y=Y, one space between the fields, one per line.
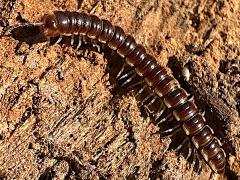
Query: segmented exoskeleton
x=156 y=77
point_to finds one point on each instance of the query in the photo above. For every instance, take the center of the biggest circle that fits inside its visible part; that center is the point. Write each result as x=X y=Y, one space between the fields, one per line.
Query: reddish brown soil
x=59 y=117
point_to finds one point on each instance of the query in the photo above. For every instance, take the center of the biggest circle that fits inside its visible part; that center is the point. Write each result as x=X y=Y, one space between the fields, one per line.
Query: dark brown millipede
x=145 y=65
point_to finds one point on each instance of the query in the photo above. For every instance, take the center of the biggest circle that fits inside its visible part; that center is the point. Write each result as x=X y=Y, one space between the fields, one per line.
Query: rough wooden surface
x=59 y=117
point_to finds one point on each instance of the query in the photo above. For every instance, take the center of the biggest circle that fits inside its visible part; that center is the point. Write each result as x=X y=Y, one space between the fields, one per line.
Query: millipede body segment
x=145 y=65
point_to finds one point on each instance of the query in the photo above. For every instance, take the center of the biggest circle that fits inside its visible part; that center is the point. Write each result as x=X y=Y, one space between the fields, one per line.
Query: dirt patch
x=63 y=115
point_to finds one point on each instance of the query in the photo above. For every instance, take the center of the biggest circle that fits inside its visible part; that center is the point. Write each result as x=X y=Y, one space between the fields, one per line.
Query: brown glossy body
x=145 y=65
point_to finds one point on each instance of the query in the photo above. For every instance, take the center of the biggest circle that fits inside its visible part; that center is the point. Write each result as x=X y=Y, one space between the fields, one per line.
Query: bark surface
x=63 y=116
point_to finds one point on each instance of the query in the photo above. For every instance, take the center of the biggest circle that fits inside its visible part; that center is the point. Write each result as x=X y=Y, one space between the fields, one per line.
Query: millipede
x=156 y=77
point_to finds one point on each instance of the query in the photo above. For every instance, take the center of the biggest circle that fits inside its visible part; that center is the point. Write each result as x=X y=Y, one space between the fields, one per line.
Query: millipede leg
x=152 y=101
x=95 y=45
x=84 y=39
x=189 y=151
x=135 y=84
x=121 y=71
x=199 y=166
x=164 y=119
x=171 y=129
x=98 y=47
x=203 y=113
x=194 y=157
x=146 y=98
x=181 y=145
x=129 y=79
x=199 y=161
x=191 y=98
x=148 y=106
x=140 y=91
x=72 y=40
x=126 y=75
x=59 y=39
x=79 y=42
x=160 y=111
x=174 y=132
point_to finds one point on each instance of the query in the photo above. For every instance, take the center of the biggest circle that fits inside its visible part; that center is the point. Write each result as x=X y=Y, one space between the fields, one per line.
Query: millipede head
x=49 y=25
